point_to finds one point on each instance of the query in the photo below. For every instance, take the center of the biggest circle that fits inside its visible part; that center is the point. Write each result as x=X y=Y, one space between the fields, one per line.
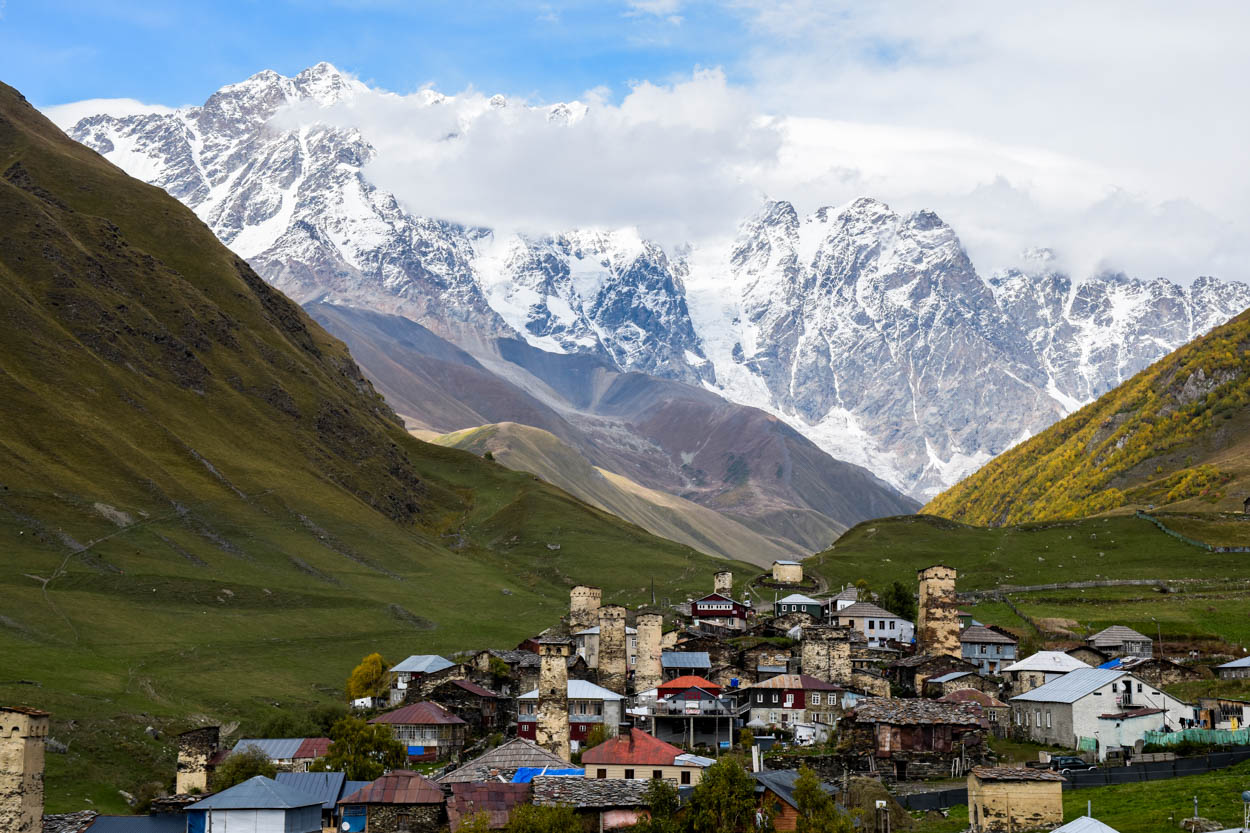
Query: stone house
x=398 y=802
x=1121 y=641
x=195 y=749
x=798 y=603
x=409 y=673
x=909 y=673
x=878 y=625
x=1159 y=671
x=1238 y=669
x=788 y=699
x=589 y=705
x=603 y=803
x=944 y=684
x=996 y=715
x=503 y=762
x=482 y=709
x=23 y=736
x=913 y=738
x=719 y=611
x=258 y=805
x=1095 y=707
x=1010 y=799
x=637 y=756
x=429 y=731
x=788 y=572
x=674 y=664
x=763 y=661
x=989 y=648
x=586 y=645
x=1038 y=669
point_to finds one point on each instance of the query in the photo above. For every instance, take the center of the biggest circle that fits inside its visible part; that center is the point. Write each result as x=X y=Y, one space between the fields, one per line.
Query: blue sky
x=175 y=53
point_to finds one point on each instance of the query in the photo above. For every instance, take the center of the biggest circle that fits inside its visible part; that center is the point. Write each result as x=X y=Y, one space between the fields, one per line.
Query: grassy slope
x=542 y=453
x=205 y=510
x=1174 y=435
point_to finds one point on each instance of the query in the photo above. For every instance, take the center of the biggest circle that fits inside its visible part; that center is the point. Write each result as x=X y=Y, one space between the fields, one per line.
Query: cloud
x=65 y=116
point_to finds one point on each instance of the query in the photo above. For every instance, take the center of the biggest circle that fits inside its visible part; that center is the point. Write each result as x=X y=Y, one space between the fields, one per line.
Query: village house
x=1077 y=709
x=411 y=671
x=586 y=645
x=763 y=661
x=1011 y=799
x=287 y=754
x=787 y=572
x=637 y=756
x=326 y=787
x=719 y=611
x=603 y=804
x=846 y=597
x=910 y=673
x=428 y=730
x=996 y=715
x=913 y=738
x=258 y=804
x=776 y=794
x=1238 y=669
x=674 y=664
x=398 y=802
x=1121 y=641
x=877 y=624
x=943 y=684
x=689 y=710
x=504 y=761
x=482 y=709
x=788 y=699
x=988 y=648
x=1158 y=671
x=493 y=800
x=1038 y=669
x=1089 y=655
x=589 y=706
x=1223 y=713
x=798 y=603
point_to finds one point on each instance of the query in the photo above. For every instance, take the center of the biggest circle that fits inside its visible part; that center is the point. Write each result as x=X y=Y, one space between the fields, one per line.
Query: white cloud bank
x=65 y=116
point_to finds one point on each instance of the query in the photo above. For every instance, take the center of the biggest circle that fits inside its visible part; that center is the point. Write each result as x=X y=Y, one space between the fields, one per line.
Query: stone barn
x=787 y=572
x=1009 y=799
x=913 y=739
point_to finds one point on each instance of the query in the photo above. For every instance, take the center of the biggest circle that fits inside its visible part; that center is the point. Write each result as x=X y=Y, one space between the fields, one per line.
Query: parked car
x=1063 y=764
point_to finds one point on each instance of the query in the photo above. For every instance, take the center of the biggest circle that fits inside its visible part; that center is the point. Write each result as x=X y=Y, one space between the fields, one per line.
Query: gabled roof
x=278 y=749
x=326 y=787
x=868 y=609
x=313 y=748
x=494 y=799
x=424 y=713
x=398 y=787
x=635 y=747
x=780 y=782
x=796 y=681
x=899 y=712
x=1116 y=635
x=257 y=793
x=798 y=599
x=588 y=793
x=508 y=756
x=1049 y=662
x=979 y=634
x=691 y=681
x=848 y=594
x=1085 y=824
x=685 y=659
x=1071 y=686
x=972 y=695
x=788 y=563
x=1244 y=662
x=423 y=664
x=580 y=690
x=950 y=677
x=719 y=597
x=472 y=688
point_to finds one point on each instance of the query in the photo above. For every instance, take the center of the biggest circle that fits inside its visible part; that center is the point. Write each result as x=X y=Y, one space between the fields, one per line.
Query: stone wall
x=788 y=573
x=552 y=721
x=613 y=654
x=937 y=621
x=1008 y=806
x=405 y=818
x=23 y=733
x=723 y=583
x=584 y=604
x=194 y=749
x=648 y=673
x=826 y=653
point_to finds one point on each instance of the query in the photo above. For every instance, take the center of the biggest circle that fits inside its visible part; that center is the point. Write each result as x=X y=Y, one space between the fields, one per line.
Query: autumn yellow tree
x=369 y=678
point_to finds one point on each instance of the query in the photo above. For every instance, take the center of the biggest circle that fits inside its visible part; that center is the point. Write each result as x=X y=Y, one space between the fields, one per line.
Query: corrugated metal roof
x=1071 y=686
x=278 y=749
x=326 y=787
x=313 y=748
x=494 y=799
x=1085 y=824
x=953 y=675
x=257 y=793
x=580 y=690
x=685 y=659
x=1244 y=662
x=635 y=747
x=424 y=713
x=399 y=787
x=1051 y=662
x=423 y=664
x=798 y=599
x=788 y=563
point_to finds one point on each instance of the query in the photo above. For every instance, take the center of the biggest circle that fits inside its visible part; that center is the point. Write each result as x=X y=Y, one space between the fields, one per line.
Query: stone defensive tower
x=552 y=724
x=194 y=750
x=613 y=653
x=723 y=583
x=937 y=620
x=584 y=604
x=23 y=733
x=647 y=672
x=826 y=653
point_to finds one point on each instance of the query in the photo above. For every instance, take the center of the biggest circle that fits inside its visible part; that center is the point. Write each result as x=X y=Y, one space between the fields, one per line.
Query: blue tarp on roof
x=526 y=774
x=326 y=787
x=1111 y=663
x=257 y=793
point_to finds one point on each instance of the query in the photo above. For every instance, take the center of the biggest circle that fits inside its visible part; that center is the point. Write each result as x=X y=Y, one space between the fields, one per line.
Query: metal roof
x=685 y=659
x=953 y=675
x=635 y=748
x=326 y=787
x=1085 y=824
x=1050 y=662
x=423 y=664
x=399 y=787
x=158 y=823
x=580 y=690
x=1071 y=686
x=787 y=563
x=278 y=749
x=798 y=599
x=257 y=793
x=1244 y=662
x=425 y=713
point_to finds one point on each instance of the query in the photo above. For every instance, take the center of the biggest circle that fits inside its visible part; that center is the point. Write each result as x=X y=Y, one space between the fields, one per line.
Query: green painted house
x=798 y=603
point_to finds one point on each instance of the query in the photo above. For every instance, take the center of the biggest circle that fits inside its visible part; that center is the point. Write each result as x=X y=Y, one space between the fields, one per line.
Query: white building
x=1040 y=668
x=877 y=624
x=258 y=805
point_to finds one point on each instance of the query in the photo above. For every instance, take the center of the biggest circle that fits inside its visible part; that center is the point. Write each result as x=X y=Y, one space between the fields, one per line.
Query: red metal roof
x=399 y=787
x=424 y=713
x=312 y=748
x=690 y=681
x=474 y=688
x=637 y=747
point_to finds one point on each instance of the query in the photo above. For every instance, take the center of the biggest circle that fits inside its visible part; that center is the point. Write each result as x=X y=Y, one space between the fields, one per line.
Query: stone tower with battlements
x=195 y=748
x=551 y=728
x=584 y=604
x=937 y=619
x=613 y=651
x=723 y=583
x=826 y=653
x=647 y=672
x=23 y=733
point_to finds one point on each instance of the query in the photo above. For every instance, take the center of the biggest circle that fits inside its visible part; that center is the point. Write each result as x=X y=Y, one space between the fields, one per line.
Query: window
x=772 y=717
x=776 y=698
x=1037 y=718
x=871 y=624
x=657 y=774
x=1114 y=687
x=601 y=773
x=1048 y=719
x=816 y=698
x=891 y=624
x=685 y=776
x=982 y=649
x=881 y=625
x=629 y=775
x=850 y=623
x=1139 y=688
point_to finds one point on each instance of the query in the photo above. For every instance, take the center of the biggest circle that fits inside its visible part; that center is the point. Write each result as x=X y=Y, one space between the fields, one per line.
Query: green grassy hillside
x=1176 y=435
x=542 y=453
x=205 y=510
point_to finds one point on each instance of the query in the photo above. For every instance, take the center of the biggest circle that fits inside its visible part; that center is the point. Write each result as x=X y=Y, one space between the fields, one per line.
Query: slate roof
x=473 y=688
x=972 y=695
x=326 y=787
x=1050 y=662
x=899 y=712
x=787 y=563
x=867 y=609
x=68 y=822
x=685 y=659
x=849 y=594
x=1071 y=686
x=580 y=690
x=781 y=783
x=506 y=757
x=979 y=634
x=635 y=747
x=1244 y=662
x=494 y=799
x=1116 y=635
x=916 y=660
x=399 y=787
x=1015 y=773
x=1085 y=824
x=424 y=713
x=796 y=681
x=552 y=791
x=423 y=664
x=257 y=793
